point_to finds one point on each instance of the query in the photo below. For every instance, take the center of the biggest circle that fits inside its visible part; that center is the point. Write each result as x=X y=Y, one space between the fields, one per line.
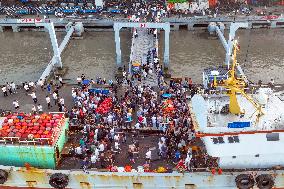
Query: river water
x=25 y=55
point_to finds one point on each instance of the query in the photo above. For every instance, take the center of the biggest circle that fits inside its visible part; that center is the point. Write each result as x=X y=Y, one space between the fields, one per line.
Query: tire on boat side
x=265 y=181
x=3 y=176
x=244 y=181
x=58 y=180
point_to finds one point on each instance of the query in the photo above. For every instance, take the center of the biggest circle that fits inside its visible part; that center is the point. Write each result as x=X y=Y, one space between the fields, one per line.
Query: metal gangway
x=143 y=42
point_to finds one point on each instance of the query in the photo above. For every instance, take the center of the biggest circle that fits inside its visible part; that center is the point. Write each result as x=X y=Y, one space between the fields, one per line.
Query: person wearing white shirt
x=48 y=102
x=54 y=95
x=33 y=95
x=110 y=119
x=154 y=121
x=60 y=80
x=13 y=86
x=34 y=109
x=41 y=84
x=4 y=90
x=61 y=101
x=39 y=107
x=78 y=150
x=16 y=104
x=112 y=133
x=26 y=87
x=187 y=160
x=79 y=80
x=94 y=159
x=148 y=156
x=116 y=137
x=101 y=147
x=116 y=147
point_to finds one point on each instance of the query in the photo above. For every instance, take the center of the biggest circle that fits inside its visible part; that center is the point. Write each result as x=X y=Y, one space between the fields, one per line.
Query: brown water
x=24 y=55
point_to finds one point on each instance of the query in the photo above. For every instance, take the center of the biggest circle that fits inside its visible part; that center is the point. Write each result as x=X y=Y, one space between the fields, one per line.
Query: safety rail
x=17 y=140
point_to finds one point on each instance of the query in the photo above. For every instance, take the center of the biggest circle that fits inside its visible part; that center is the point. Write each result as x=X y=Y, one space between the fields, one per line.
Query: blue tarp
x=166 y=95
x=23 y=11
x=89 y=11
x=97 y=90
x=238 y=124
x=115 y=11
x=218 y=78
x=68 y=10
x=48 y=11
x=86 y=82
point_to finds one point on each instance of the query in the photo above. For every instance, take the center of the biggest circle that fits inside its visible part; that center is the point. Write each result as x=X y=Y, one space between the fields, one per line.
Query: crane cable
x=246 y=55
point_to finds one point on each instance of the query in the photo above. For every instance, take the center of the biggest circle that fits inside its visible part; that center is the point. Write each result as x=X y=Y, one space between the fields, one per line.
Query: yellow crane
x=236 y=85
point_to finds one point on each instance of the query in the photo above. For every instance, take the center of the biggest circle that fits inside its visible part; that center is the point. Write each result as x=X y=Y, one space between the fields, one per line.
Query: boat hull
x=39 y=178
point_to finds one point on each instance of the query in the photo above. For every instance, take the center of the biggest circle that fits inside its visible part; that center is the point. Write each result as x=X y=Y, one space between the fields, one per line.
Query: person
x=4 y=90
x=116 y=147
x=60 y=80
x=148 y=156
x=26 y=87
x=177 y=156
x=41 y=83
x=160 y=145
x=33 y=95
x=94 y=159
x=9 y=88
x=48 y=87
x=131 y=153
x=187 y=160
x=31 y=85
x=101 y=147
x=47 y=98
x=54 y=95
x=61 y=101
x=79 y=80
x=16 y=104
x=39 y=107
x=13 y=87
x=78 y=151
x=34 y=110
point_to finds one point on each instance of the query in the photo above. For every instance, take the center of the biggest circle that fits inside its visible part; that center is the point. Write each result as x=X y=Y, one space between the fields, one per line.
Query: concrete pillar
x=175 y=27
x=117 y=47
x=249 y=25
x=273 y=24
x=54 y=43
x=190 y=27
x=167 y=48
x=1 y=29
x=15 y=28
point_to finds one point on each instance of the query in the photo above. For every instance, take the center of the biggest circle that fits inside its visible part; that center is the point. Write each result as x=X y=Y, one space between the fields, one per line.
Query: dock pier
x=187 y=23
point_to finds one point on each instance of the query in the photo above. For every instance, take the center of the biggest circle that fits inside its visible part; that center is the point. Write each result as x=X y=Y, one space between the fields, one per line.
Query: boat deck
x=147 y=139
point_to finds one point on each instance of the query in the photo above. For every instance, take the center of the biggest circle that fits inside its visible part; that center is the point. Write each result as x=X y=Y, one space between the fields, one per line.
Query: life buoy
x=3 y=176
x=265 y=181
x=244 y=181
x=58 y=180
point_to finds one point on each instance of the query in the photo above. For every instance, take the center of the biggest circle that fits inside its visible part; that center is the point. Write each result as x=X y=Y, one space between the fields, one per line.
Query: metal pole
x=167 y=48
x=54 y=43
x=117 y=47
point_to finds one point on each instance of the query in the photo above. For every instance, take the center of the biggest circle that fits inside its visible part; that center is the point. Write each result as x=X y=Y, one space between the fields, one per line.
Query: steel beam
x=52 y=35
x=118 y=25
x=233 y=28
x=221 y=37
x=52 y=63
x=117 y=46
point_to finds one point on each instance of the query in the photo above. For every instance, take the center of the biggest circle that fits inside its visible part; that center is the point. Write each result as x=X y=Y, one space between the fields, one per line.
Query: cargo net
x=21 y=128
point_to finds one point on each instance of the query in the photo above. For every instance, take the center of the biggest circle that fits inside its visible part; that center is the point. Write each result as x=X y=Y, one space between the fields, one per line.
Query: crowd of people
x=31 y=88
x=134 y=9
